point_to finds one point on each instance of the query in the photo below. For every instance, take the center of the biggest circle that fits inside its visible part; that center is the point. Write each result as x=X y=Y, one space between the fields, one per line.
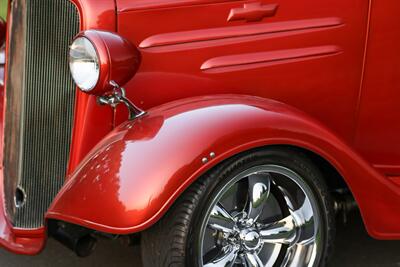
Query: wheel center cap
x=250 y=239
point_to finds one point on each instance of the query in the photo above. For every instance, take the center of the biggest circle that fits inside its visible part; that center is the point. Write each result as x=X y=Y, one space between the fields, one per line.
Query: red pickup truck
x=216 y=132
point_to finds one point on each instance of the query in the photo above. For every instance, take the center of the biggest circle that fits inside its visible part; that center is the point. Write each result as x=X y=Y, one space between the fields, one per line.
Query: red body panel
x=307 y=55
x=92 y=122
x=335 y=60
x=379 y=115
x=136 y=173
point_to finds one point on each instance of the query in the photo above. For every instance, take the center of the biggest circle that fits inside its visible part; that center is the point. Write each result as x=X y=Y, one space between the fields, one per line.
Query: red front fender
x=134 y=175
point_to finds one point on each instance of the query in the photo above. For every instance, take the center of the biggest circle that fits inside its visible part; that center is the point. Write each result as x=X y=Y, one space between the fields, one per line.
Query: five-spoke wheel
x=266 y=208
x=264 y=215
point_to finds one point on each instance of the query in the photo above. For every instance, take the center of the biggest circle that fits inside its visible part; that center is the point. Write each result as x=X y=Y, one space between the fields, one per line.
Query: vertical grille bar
x=46 y=107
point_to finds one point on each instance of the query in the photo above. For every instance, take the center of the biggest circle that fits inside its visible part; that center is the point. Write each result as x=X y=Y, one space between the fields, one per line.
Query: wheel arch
x=332 y=176
x=189 y=137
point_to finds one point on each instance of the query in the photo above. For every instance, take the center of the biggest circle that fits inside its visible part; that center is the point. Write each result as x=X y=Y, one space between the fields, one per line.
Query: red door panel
x=308 y=54
x=379 y=126
x=129 y=5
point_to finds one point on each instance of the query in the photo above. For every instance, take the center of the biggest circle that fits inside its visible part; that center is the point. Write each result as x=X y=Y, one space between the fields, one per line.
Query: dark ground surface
x=353 y=248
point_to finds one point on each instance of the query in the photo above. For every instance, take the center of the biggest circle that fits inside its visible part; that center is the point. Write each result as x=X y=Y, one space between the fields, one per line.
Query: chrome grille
x=40 y=104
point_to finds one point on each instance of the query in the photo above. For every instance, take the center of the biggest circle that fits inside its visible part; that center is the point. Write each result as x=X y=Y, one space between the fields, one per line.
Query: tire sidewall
x=292 y=160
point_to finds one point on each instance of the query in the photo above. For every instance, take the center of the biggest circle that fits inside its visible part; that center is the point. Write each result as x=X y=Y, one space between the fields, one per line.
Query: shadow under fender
x=134 y=175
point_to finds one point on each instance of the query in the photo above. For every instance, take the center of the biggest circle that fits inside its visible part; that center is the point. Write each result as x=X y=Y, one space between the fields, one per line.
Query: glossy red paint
x=253 y=12
x=142 y=167
x=92 y=122
x=378 y=131
x=324 y=58
x=306 y=56
x=127 y=5
x=118 y=58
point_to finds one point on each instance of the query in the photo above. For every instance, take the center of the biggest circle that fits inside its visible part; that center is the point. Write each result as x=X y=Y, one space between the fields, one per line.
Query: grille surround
x=40 y=106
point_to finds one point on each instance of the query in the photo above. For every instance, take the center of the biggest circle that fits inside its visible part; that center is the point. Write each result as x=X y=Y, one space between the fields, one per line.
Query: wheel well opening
x=333 y=179
x=344 y=201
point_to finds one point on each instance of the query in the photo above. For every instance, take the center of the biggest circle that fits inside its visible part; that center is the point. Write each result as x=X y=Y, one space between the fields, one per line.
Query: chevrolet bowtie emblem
x=253 y=12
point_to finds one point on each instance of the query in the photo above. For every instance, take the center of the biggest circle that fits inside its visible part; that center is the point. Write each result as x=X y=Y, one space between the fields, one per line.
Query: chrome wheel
x=265 y=216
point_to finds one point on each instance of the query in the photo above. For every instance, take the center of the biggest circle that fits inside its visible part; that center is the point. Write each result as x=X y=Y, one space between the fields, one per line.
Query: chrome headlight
x=84 y=64
x=100 y=59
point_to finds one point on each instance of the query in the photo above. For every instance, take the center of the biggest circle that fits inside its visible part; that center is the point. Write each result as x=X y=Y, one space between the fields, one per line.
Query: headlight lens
x=84 y=64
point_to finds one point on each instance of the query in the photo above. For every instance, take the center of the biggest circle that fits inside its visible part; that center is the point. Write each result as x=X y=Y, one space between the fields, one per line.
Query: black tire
x=171 y=242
